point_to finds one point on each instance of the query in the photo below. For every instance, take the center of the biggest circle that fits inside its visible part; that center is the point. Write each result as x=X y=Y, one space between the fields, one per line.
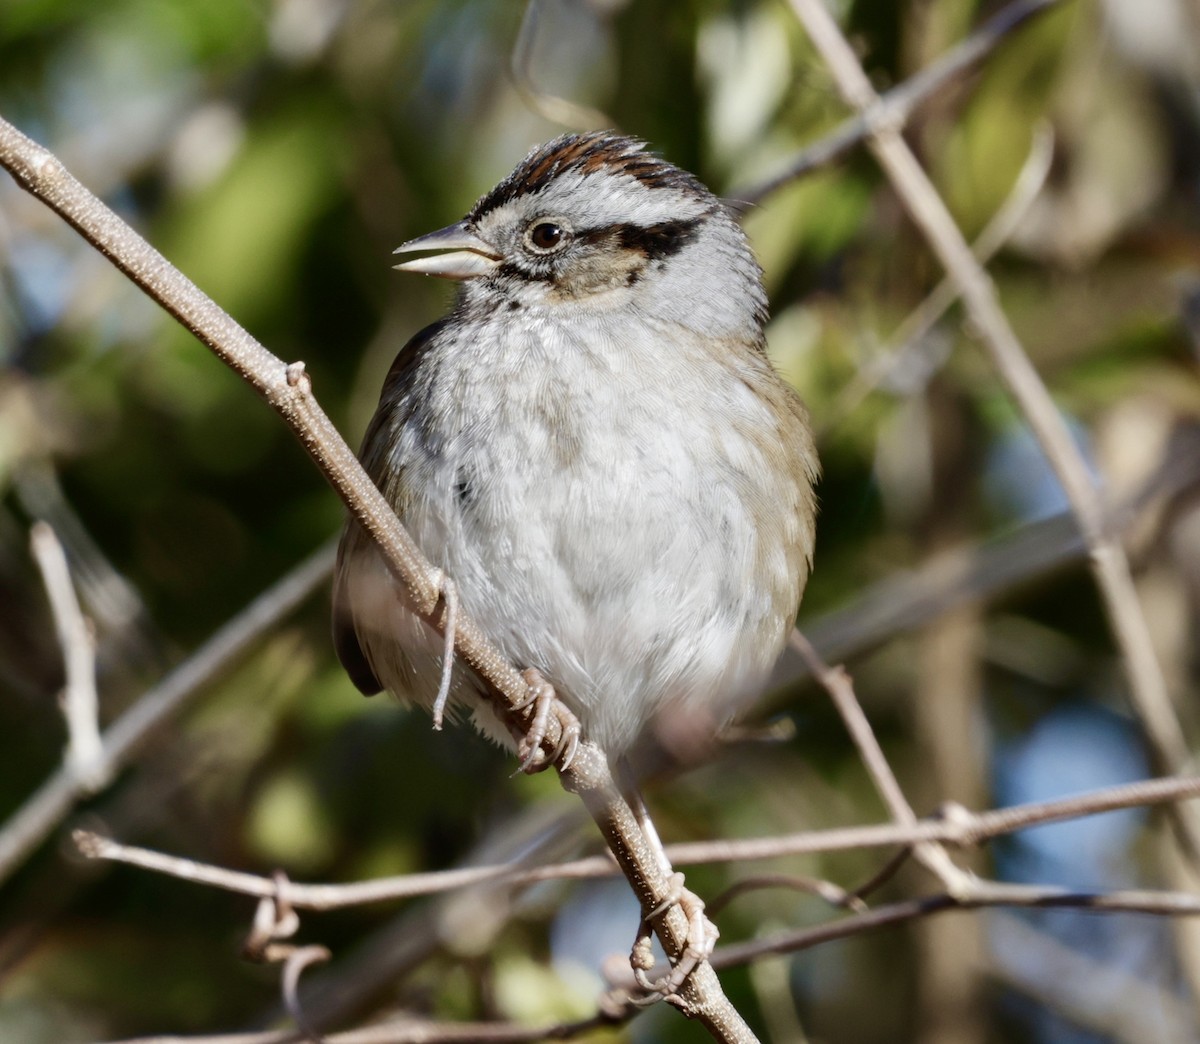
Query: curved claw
x=544 y=700
x=568 y=744
x=701 y=941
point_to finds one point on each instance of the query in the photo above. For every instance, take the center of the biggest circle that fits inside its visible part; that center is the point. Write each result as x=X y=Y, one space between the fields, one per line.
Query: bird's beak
x=469 y=258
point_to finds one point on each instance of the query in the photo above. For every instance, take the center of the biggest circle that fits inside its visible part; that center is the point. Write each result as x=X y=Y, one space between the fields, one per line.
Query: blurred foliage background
x=277 y=152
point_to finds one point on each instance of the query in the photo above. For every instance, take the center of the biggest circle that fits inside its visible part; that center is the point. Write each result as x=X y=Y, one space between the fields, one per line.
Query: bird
x=594 y=446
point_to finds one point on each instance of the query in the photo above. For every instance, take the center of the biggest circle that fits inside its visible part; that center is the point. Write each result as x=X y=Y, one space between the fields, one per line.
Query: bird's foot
x=544 y=701
x=701 y=941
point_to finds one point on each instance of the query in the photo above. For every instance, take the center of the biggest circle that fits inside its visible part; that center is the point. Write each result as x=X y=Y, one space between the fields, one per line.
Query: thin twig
x=982 y=894
x=1109 y=997
x=54 y=799
x=827 y=891
x=883 y=875
x=417 y=1031
x=896 y=106
x=81 y=707
x=552 y=107
x=293 y=967
x=111 y=601
x=836 y=682
x=954 y=825
x=914 y=330
x=1148 y=688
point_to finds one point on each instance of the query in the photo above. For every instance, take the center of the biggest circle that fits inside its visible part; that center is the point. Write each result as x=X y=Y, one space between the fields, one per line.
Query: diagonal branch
x=85 y=751
x=1110 y=567
x=288 y=390
x=896 y=106
x=901 y=603
x=837 y=683
x=913 y=332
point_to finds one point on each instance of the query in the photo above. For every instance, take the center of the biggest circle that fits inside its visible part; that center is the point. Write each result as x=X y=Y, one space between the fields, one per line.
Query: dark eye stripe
x=655 y=241
x=661 y=240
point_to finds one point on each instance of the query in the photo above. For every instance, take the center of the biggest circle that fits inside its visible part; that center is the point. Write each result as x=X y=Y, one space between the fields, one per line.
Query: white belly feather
x=612 y=522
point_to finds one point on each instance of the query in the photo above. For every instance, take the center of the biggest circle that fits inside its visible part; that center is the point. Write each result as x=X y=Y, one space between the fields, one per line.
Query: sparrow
x=595 y=447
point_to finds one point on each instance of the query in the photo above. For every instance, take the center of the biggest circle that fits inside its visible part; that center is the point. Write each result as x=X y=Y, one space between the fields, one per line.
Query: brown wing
x=345 y=637
x=345 y=634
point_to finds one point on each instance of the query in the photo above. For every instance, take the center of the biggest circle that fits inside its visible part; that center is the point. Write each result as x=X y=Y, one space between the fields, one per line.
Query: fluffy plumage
x=594 y=446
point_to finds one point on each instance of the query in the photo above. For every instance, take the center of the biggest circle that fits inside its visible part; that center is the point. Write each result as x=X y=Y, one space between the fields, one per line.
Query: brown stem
x=287 y=388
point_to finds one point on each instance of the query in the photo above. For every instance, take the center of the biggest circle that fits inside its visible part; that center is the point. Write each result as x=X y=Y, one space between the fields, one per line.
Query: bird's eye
x=546 y=235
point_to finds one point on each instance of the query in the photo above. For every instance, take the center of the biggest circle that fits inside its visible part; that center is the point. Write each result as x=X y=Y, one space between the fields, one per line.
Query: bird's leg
x=702 y=933
x=545 y=701
x=450 y=597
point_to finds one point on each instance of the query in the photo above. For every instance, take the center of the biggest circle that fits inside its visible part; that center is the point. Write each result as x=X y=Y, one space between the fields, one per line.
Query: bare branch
x=417 y=1031
x=293 y=967
x=906 y=601
x=50 y=803
x=326 y=897
x=110 y=600
x=836 y=681
x=839 y=686
x=954 y=825
x=895 y=108
x=981 y=894
x=883 y=875
x=85 y=753
x=957 y=826
x=1110 y=566
x=831 y=893
x=1107 y=997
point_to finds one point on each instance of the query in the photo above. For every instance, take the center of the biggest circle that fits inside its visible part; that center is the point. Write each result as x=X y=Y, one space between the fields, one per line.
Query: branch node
x=90 y=844
x=882 y=117
x=614 y=1004
x=297 y=377
x=960 y=819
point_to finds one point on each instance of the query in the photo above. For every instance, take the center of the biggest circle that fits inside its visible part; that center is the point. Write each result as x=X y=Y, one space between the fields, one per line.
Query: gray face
x=588 y=215
x=562 y=244
x=592 y=221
